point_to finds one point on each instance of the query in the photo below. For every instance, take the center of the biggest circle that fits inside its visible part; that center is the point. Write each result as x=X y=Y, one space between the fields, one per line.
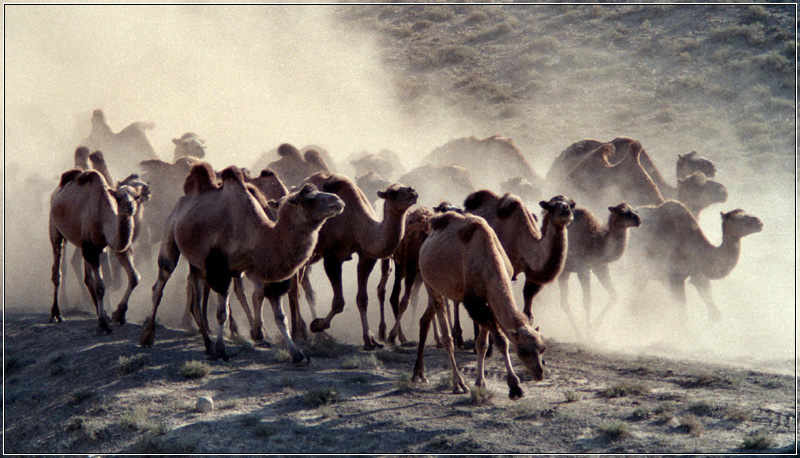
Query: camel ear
x=506 y=207
x=544 y=204
x=176 y=141
x=536 y=329
x=466 y=232
x=332 y=184
x=612 y=209
x=381 y=194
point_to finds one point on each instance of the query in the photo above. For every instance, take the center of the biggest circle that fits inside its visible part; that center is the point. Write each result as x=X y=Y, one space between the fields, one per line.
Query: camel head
x=82 y=158
x=625 y=216
x=128 y=199
x=140 y=186
x=737 y=224
x=268 y=183
x=399 y=198
x=530 y=347
x=559 y=208
x=312 y=205
x=445 y=206
x=98 y=116
x=693 y=162
x=698 y=192
x=190 y=144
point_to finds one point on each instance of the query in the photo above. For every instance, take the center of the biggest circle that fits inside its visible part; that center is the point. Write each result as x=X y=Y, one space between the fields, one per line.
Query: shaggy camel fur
x=223 y=231
x=539 y=254
x=474 y=154
x=462 y=260
x=190 y=144
x=439 y=183
x=592 y=247
x=87 y=213
x=357 y=230
x=293 y=167
x=124 y=149
x=674 y=248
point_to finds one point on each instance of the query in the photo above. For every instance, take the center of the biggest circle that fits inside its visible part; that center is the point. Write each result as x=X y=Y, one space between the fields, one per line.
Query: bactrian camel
x=463 y=260
x=89 y=214
x=592 y=247
x=189 y=144
x=671 y=247
x=357 y=230
x=223 y=231
x=124 y=149
x=539 y=254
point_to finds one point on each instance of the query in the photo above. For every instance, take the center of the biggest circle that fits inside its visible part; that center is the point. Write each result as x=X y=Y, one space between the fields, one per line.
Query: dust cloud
x=247 y=78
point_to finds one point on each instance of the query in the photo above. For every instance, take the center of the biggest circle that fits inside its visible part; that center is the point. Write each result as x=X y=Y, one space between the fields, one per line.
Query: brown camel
x=189 y=144
x=223 y=231
x=539 y=254
x=87 y=213
x=357 y=230
x=592 y=247
x=370 y=183
x=674 y=248
x=293 y=167
x=124 y=149
x=462 y=260
x=439 y=183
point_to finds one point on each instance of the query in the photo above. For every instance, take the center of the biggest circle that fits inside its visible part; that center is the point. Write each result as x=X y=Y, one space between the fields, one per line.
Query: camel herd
x=272 y=228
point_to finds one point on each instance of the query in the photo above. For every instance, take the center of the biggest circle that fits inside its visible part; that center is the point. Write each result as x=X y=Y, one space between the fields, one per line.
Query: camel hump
x=478 y=199
x=287 y=149
x=97 y=157
x=466 y=232
x=333 y=183
x=68 y=176
x=232 y=173
x=201 y=178
x=508 y=205
x=257 y=195
x=268 y=172
x=87 y=177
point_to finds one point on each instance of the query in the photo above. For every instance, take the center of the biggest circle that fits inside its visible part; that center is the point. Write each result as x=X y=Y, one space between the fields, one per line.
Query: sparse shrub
x=614 y=430
x=445 y=382
x=481 y=395
x=283 y=356
x=665 y=410
x=138 y=418
x=263 y=430
x=359 y=379
x=81 y=396
x=157 y=445
x=250 y=420
x=325 y=346
x=755 y=13
x=195 y=369
x=326 y=411
x=572 y=396
x=737 y=415
x=494 y=32
x=746 y=129
x=368 y=361
x=773 y=62
x=404 y=383
x=421 y=25
x=692 y=425
x=625 y=389
x=130 y=364
x=453 y=55
x=640 y=413
x=702 y=408
x=438 y=13
x=321 y=396
x=757 y=440
x=476 y=16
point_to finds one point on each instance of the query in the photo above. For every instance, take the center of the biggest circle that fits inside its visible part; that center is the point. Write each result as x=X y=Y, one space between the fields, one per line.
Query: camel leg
x=515 y=391
x=298 y=324
x=363 y=269
x=396 y=303
x=677 y=287
x=333 y=269
x=238 y=291
x=257 y=323
x=58 y=244
x=273 y=292
x=188 y=320
x=424 y=326
x=528 y=292
x=459 y=384
x=308 y=290
x=94 y=282
x=481 y=344
x=603 y=274
x=204 y=306
x=111 y=270
x=410 y=296
x=563 y=284
x=167 y=261
x=126 y=261
x=197 y=290
x=458 y=333
x=77 y=267
x=386 y=269
x=223 y=312
x=703 y=286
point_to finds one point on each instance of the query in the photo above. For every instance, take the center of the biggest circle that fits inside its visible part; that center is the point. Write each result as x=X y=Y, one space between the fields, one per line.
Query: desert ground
x=718 y=79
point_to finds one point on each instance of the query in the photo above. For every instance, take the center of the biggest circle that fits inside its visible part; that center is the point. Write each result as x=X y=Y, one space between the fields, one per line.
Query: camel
x=474 y=154
x=698 y=192
x=592 y=246
x=462 y=260
x=692 y=162
x=671 y=241
x=293 y=167
x=439 y=183
x=522 y=187
x=371 y=183
x=539 y=254
x=89 y=214
x=223 y=231
x=357 y=230
x=125 y=149
x=189 y=144
x=385 y=163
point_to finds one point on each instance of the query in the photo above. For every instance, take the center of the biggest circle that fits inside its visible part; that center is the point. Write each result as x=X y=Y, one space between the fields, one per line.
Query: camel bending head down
x=462 y=260
x=86 y=212
x=223 y=231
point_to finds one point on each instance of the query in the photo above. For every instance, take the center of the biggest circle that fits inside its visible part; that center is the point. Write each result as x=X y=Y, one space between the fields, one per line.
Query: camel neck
x=723 y=259
x=385 y=236
x=121 y=226
x=545 y=259
x=613 y=242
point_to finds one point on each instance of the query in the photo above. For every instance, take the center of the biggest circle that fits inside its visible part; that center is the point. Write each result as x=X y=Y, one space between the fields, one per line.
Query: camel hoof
x=301 y=360
x=408 y=344
x=515 y=393
x=382 y=332
x=460 y=388
x=372 y=344
x=257 y=335
x=319 y=325
x=118 y=317
x=57 y=318
x=419 y=378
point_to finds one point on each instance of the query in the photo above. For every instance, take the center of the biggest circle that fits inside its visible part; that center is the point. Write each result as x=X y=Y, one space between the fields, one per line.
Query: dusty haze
x=248 y=78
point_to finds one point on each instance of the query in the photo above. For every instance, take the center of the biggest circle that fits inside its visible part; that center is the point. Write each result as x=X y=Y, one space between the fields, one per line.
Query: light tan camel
x=671 y=247
x=87 y=213
x=357 y=230
x=124 y=149
x=223 y=231
x=539 y=254
x=439 y=183
x=592 y=247
x=698 y=192
x=189 y=144
x=692 y=162
x=462 y=260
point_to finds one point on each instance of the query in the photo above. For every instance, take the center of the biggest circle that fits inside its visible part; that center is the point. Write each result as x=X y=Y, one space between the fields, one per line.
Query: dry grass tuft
x=195 y=369
x=692 y=425
x=321 y=396
x=481 y=395
x=757 y=440
x=625 y=389
x=614 y=430
x=130 y=364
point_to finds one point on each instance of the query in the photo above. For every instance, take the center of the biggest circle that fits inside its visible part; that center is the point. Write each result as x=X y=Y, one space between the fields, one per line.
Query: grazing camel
x=189 y=144
x=125 y=149
x=439 y=183
x=539 y=254
x=592 y=246
x=462 y=260
x=223 y=231
x=671 y=247
x=357 y=230
x=89 y=214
